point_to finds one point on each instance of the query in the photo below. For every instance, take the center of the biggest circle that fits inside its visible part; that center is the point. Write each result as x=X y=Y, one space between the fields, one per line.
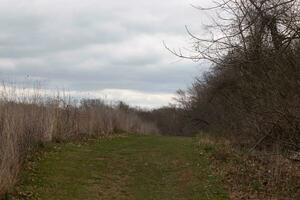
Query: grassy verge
x=133 y=167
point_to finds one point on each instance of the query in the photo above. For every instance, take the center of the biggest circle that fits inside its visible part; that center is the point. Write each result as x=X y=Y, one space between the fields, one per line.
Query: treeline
x=252 y=92
x=29 y=120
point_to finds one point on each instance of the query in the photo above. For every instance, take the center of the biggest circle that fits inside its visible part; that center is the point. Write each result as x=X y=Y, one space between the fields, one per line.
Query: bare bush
x=253 y=89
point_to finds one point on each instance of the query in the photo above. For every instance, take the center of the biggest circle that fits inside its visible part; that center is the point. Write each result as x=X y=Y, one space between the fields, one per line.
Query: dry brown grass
x=28 y=119
x=256 y=175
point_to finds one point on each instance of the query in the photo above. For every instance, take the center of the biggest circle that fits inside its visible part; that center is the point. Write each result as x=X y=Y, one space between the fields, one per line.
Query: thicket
x=252 y=92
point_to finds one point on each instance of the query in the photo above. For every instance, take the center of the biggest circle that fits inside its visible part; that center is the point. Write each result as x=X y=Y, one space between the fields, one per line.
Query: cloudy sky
x=98 y=48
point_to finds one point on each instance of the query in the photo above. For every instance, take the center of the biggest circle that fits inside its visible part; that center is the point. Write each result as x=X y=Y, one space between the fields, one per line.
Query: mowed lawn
x=131 y=167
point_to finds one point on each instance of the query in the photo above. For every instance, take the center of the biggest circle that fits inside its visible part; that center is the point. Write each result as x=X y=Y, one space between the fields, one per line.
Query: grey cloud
x=96 y=44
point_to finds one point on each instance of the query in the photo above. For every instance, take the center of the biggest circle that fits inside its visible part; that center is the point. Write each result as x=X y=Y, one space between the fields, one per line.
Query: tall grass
x=28 y=117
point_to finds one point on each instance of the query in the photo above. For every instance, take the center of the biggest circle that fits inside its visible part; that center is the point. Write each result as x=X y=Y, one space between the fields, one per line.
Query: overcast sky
x=98 y=48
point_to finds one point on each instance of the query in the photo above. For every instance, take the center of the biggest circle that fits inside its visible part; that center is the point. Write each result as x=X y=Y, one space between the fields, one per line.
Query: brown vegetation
x=253 y=176
x=29 y=120
x=253 y=90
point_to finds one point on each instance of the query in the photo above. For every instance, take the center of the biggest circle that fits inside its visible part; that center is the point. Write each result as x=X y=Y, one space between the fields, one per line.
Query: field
x=129 y=167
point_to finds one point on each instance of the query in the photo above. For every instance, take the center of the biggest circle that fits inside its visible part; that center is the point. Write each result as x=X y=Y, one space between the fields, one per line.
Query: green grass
x=133 y=167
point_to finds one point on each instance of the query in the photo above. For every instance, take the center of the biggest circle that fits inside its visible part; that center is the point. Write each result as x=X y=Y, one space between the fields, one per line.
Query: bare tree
x=254 y=85
x=246 y=26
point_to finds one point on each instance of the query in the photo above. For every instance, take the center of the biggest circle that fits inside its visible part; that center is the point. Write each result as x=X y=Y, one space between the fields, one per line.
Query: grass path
x=133 y=167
